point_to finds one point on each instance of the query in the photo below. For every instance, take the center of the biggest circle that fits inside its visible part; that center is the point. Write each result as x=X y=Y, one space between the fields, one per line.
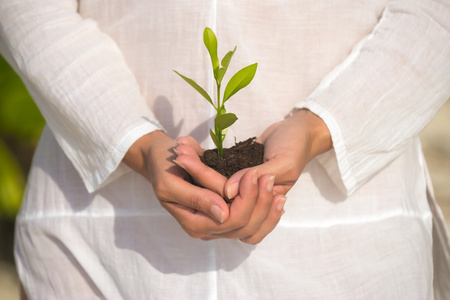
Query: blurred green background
x=20 y=126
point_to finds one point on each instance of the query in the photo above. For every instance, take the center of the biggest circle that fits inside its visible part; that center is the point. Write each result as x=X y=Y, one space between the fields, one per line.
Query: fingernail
x=217 y=213
x=176 y=152
x=280 y=204
x=179 y=164
x=255 y=176
x=232 y=190
x=270 y=183
x=179 y=143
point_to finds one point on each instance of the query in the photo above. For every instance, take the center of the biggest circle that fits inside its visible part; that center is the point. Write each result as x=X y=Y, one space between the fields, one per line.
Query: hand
x=288 y=146
x=254 y=213
x=256 y=210
x=198 y=210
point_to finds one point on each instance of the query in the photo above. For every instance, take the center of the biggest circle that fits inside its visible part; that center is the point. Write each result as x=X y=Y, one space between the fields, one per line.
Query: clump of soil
x=245 y=154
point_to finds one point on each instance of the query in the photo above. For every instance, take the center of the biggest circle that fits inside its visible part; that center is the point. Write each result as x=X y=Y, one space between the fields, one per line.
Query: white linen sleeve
x=80 y=82
x=386 y=91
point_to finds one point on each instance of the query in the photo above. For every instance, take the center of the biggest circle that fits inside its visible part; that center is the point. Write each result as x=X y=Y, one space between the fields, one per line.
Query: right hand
x=202 y=212
x=198 y=210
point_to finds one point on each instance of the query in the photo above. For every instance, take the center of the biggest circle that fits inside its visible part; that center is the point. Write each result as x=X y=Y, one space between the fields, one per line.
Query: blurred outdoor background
x=20 y=127
x=21 y=124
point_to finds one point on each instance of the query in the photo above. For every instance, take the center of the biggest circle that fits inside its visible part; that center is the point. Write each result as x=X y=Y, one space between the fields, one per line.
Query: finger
x=263 y=203
x=260 y=212
x=186 y=150
x=177 y=190
x=281 y=189
x=285 y=172
x=241 y=208
x=195 y=223
x=232 y=185
x=243 y=205
x=191 y=142
x=239 y=215
x=202 y=174
x=283 y=167
x=270 y=223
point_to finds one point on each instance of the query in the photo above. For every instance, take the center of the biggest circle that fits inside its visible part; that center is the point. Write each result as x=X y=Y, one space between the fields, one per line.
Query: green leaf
x=215 y=139
x=227 y=58
x=220 y=73
x=210 y=40
x=222 y=122
x=240 y=80
x=224 y=133
x=225 y=63
x=197 y=87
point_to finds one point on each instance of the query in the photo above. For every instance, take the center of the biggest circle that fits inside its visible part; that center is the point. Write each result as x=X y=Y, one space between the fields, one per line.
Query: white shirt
x=360 y=223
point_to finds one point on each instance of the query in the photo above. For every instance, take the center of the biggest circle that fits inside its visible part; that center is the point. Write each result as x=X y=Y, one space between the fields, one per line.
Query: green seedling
x=241 y=79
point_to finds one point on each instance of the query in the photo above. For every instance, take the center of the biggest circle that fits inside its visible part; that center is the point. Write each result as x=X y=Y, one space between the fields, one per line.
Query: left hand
x=264 y=215
x=288 y=146
x=253 y=214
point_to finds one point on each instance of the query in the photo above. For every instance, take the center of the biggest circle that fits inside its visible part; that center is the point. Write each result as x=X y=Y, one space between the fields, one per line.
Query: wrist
x=137 y=155
x=320 y=136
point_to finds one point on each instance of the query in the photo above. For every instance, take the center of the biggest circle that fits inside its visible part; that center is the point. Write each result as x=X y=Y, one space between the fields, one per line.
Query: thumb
x=196 y=198
x=281 y=166
x=232 y=185
x=200 y=173
x=191 y=142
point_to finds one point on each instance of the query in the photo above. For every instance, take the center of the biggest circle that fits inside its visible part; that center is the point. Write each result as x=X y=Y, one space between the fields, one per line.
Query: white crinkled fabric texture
x=360 y=223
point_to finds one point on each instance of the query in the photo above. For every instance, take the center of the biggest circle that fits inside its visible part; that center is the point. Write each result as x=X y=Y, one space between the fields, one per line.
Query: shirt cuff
x=113 y=168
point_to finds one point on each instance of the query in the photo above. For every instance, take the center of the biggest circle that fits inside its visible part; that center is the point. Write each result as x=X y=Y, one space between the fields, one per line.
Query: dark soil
x=243 y=155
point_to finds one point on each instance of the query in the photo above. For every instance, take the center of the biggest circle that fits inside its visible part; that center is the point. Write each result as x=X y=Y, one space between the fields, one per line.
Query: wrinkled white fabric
x=360 y=223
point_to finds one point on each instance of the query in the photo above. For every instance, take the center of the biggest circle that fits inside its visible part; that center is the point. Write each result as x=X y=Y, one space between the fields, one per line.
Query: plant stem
x=218 y=131
x=218 y=95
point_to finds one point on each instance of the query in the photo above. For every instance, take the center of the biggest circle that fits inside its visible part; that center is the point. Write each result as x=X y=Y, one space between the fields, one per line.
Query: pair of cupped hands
x=196 y=195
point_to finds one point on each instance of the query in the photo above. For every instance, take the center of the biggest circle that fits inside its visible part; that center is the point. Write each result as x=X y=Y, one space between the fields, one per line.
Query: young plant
x=241 y=79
